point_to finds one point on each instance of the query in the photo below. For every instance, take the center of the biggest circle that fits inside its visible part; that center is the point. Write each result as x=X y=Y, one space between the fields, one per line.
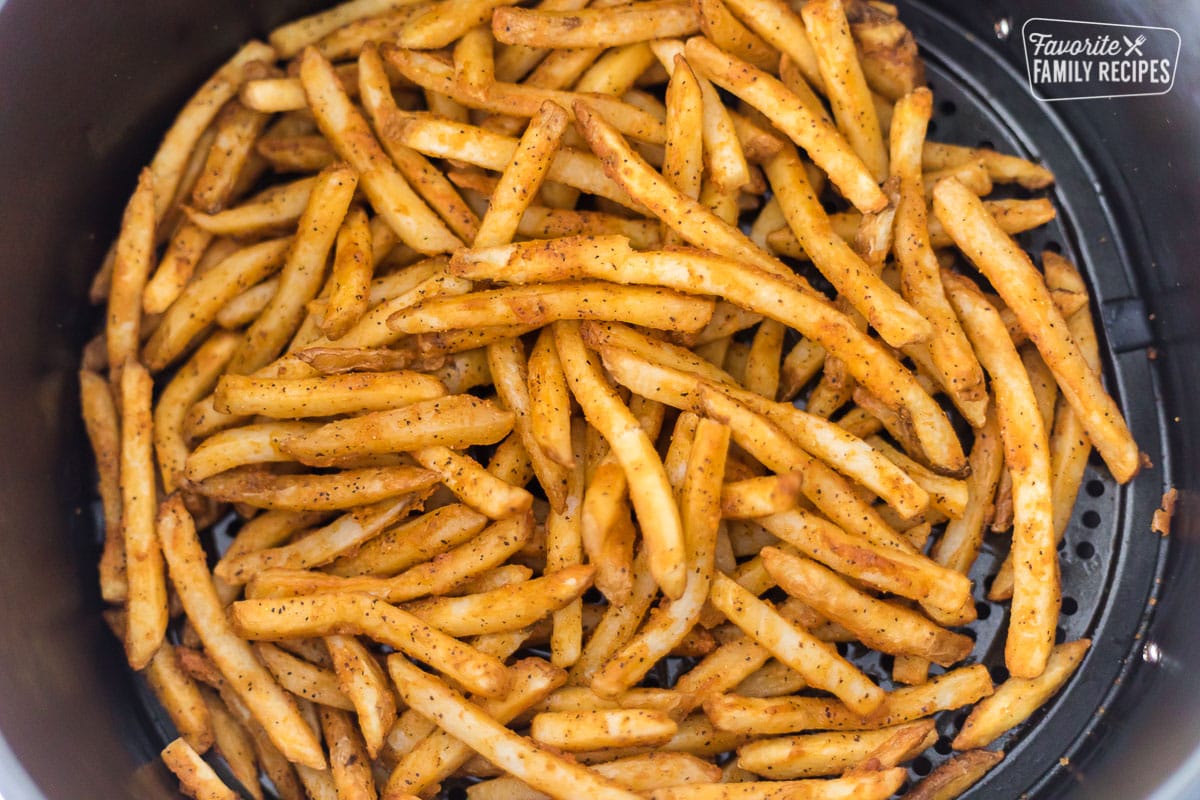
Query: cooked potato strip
x=333 y=492
x=595 y=27
x=195 y=776
x=955 y=776
x=818 y=754
x=134 y=251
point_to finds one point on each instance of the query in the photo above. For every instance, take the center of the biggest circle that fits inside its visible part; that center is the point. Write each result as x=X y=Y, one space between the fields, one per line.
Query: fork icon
x=1134 y=47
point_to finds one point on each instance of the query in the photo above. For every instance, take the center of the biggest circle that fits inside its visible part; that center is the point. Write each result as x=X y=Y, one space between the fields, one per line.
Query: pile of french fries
x=565 y=430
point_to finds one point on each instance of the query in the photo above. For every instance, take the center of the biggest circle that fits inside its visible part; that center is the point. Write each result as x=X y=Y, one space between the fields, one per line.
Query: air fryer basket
x=76 y=725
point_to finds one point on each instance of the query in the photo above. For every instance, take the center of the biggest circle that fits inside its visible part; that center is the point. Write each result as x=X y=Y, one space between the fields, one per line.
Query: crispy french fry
x=412 y=542
x=472 y=484
x=302 y=678
x=229 y=157
x=683 y=162
x=760 y=497
x=146 y=603
x=390 y=195
x=249 y=444
x=1017 y=698
x=324 y=396
x=361 y=679
x=596 y=729
x=178 y=263
x=195 y=776
x=271 y=706
x=1036 y=584
x=648 y=487
x=609 y=27
x=131 y=269
x=441 y=23
x=348 y=760
x=817 y=754
x=869 y=786
x=549 y=401
x=333 y=492
x=472 y=725
x=351 y=276
x=1001 y=168
x=956 y=775
x=104 y=434
x=1009 y=269
x=880 y=625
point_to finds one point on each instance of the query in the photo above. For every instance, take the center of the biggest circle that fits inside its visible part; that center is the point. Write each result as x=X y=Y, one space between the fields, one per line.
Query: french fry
x=303 y=271
x=618 y=624
x=954 y=689
x=1008 y=268
x=947 y=495
x=361 y=679
x=324 y=614
x=683 y=162
x=597 y=729
x=820 y=140
x=920 y=280
x=796 y=647
x=472 y=725
x=472 y=484
x=103 y=425
x=700 y=501
x=195 y=776
x=1000 y=167
x=960 y=542
x=441 y=23
x=441 y=753
x=897 y=322
x=595 y=27
x=179 y=695
x=167 y=166
x=616 y=72
x=234 y=744
x=869 y=786
x=455 y=421
x=760 y=497
x=319 y=547
x=271 y=706
x=818 y=754
x=229 y=157
x=955 y=776
x=324 y=396
x=302 y=678
x=390 y=195
x=490 y=549
x=348 y=760
x=1036 y=584
x=549 y=401
x=883 y=626
x=1017 y=698
x=249 y=444
x=131 y=269
x=187 y=245
x=648 y=487
x=272 y=210
x=146 y=602
x=351 y=275
x=300 y=153
x=719 y=25
x=290 y=39
x=414 y=541
x=333 y=492
x=642 y=773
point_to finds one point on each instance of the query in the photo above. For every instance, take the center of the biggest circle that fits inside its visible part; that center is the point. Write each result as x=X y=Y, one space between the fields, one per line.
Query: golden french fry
x=390 y=195
x=472 y=484
x=290 y=39
x=302 y=678
x=596 y=729
x=134 y=251
x=412 y=542
x=178 y=263
x=348 y=760
x=455 y=421
x=272 y=210
x=361 y=679
x=963 y=536
x=104 y=434
x=648 y=487
x=1009 y=269
x=595 y=27
x=897 y=322
x=249 y=444
x=299 y=153
x=324 y=614
x=333 y=492
x=1036 y=585
x=869 y=786
x=955 y=776
x=234 y=742
x=641 y=773
x=549 y=401
x=440 y=753
x=271 y=706
x=195 y=776
x=351 y=276
x=1002 y=168
x=817 y=754
x=700 y=500
x=760 y=497
x=883 y=626
x=816 y=662
x=324 y=396
x=441 y=23
x=723 y=28
x=820 y=140
x=1017 y=698
x=683 y=162
x=237 y=128
x=954 y=689
x=947 y=495
x=181 y=697
x=146 y=602
x=472 y=725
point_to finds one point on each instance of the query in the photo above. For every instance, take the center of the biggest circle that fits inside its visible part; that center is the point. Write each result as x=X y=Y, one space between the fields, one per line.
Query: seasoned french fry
x=103 y=425
x=648 y=487
x=290 y=39
x=390 y=195
x=1001 y=168
x=956 y=775
x=334 y=492
x=595 y=27
x=818 y=754
x=443 y=22
x=1009 y=269
x=1037 y=590
x=324 y=396
x=196 y=777
x=271 y=706
x=302 y=678
x=596 y=729
x=361 y=679
x=472 y=484
x=868 y=786
x=348 y=759
x=237 y=129
x=178 y=263
x=1017 y=698
x=131 y=269
x=549 y=401
x=760 y=497
x=472 y=725
x=249 y=444
x=683 y=159
x=883 y=626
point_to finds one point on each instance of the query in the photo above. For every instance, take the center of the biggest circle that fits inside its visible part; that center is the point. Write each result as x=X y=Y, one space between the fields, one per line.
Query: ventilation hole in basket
x=1091 y=519
x=1095 y=488
x=999 y=673
x=843 y=648
x=983 y=610
x=1053 y=247
x=903 y=789
x=971 y=634
x=457 y=793
x=1085 y=550
x=986 y=144
x=921 y=766
x=947 y=107
x=651 y=681
x=933 y=126
x=593 y=596
x=961 y=720
x=943 y=746
x=987 y=582
x=1062 y=545
x=887 y=664
x=1069 y=606
x=1060 y=635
